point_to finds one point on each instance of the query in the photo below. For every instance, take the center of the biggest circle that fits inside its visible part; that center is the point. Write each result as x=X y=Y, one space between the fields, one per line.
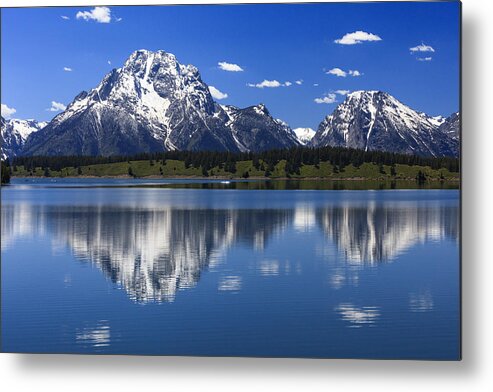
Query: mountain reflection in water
x=152 y=253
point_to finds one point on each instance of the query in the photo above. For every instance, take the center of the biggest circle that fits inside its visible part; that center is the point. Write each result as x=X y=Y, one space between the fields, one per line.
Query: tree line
x=5 y=172
x=295 y=157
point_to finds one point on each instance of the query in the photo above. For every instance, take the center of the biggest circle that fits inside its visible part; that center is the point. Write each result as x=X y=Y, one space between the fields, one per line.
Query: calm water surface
x=177 y=271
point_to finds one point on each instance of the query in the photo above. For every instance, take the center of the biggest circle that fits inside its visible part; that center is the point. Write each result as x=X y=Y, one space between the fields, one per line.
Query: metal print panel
x=268 y=180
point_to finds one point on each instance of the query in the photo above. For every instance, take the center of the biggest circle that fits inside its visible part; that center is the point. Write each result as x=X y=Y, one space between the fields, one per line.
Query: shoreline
x=227 y=178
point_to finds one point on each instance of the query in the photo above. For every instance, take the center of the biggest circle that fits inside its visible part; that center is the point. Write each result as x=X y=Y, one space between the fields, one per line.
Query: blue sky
x=283 y=43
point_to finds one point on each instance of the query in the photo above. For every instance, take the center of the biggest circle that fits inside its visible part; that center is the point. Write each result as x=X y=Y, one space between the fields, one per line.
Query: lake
x=172 y=268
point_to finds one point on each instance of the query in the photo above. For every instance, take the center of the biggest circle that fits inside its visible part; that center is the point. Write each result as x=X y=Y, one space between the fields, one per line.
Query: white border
x=91 y=373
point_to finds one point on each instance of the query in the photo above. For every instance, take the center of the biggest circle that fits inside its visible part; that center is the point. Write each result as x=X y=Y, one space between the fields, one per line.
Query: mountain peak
x=144 y=63
x=154 y=103
x=304 y=135
x=374 y=96
x=151 y=54
x=151 y=103
x=362 y=94
x=261 y=109
x=359 y=93
x=375 y=120
x=254 y=129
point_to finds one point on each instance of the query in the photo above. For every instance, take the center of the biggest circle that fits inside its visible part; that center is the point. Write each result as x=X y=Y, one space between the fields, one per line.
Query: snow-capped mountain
x=15 y=133
x=254 y=129
x=375 y=120
x=153 y=103
x=304 y=135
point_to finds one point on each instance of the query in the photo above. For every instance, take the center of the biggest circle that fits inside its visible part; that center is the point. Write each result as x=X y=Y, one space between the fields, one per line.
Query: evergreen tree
x=5 y=172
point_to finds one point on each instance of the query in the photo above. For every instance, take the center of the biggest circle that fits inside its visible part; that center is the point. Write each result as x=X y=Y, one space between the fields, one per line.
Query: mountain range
x=153 y=103
x=15 y=133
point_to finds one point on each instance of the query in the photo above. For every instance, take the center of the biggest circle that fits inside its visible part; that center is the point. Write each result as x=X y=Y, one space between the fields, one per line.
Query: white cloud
x=299 y=82
x=424 y=58
x=342 y=92
x=97 y=14
x=109 y=62
x=265 y=83
x=229 y=67
x=56 y=107
x=65 y=17
x=67 y=69
x=315 y=84
x=7 y=112
x=216 y=94
x=118 y=19
x=327 y=98
x=269 y=84
x=357 y=37
x=422 y=48
x=337 y=72
x=342 y=74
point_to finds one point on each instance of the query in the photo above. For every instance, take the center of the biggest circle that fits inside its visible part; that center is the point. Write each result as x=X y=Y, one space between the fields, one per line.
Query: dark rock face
x=374 y=120
x=153 y=103
x=451 y=126
x=254 y=129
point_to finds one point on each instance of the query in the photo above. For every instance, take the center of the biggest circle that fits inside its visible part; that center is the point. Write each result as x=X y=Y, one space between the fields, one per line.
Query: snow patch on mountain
x=437 y=120
x=304 y=135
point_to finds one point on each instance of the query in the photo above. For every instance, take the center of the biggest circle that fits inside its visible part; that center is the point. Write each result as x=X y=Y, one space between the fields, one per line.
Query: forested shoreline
x=265 y=162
